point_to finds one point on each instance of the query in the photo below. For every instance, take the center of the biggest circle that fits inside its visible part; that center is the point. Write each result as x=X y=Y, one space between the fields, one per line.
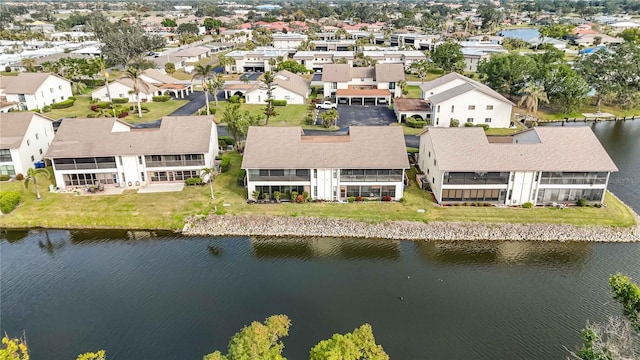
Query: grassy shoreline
x=169 y=211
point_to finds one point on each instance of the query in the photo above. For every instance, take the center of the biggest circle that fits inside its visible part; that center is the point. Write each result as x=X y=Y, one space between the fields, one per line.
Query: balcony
x=174 y=163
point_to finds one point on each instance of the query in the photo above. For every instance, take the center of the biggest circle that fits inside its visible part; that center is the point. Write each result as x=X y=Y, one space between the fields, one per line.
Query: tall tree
x=224 y=61
x=358 y=345
x=268 y=84
x=238 y=123
x=507 y=72
x=203 y=71
x=167 y=22
x=210 y=173
x=565 y=87
x=138 y=84
x=215 y=85
x=123 y=42
x=170 y=68
x=257 y=341
x=14 y=349
x=101 y=63
x=29 y=64
x=531 y=98
x=422 y=68
x=627 y=293
x=449 y=57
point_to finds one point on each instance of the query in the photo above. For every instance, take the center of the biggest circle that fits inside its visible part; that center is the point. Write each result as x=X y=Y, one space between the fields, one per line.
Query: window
x=120 y=160
x=33 y=158
x=142 y=176
x=28 y=142
x=5 y=155
x=50 y=90
x=438 y=109
x=487 y=120
x=335 y=173
x=472 y=107
x=489 y=107
x=37 y=136
x=315 y=174
x=429 y=153
x=435 y=162
x=470 y=120
x=509 y=195
x=7 y=170
x=21 y=98
x=40 y=150
x=437 y=121
x=452 y=108
x=59 y=87
x=392 y=85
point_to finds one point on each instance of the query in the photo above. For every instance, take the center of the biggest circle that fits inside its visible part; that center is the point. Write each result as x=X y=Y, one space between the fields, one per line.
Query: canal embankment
x=264 y=225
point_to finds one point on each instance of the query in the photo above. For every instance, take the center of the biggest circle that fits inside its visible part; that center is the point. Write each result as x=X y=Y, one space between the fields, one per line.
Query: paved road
x=196 y=102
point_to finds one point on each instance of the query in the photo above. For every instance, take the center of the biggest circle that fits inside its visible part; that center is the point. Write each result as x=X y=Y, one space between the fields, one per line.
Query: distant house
x=326 y=167
x=114 y=153
x=590 y=40
x=123 y=88
x=363 y=85
x=624 y=25
x=404 y=57
x=255 y=60
x=455 y=96
x=288 y=41
x=192 y=54
x=315 y=60
x=465 y=165
x=167 y=84
x=288 y=86
x=24 y=139
x=35 y=90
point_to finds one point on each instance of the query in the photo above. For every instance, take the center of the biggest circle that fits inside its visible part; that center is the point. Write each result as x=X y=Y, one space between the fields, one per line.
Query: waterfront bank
x=278 y=226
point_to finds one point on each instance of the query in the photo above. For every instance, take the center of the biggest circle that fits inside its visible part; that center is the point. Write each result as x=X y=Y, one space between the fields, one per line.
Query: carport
x=406 y=108
x=363 y=96
x=254 y=68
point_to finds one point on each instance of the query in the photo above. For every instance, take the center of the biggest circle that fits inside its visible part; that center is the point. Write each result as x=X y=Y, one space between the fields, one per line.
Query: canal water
x=145 y=295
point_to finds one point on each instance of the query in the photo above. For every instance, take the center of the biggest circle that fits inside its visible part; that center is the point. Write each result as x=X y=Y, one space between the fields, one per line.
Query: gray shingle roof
x=13 y=126
x=389 y=72
x=366 y=147
x=25 y=83
x=94 y=137
x=573 y=148
x=292 y=82
x=380 y=72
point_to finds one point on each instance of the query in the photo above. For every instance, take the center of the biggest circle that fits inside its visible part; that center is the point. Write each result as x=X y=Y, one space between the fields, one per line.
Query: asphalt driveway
x=367 y=115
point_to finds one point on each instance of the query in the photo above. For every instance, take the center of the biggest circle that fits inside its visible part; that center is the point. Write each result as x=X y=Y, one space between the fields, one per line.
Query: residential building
x=404 y=57
x=114 y=153
x=315 y=60
x=166 y=83
x=472 y=58
x=193 y=54
x=369 y=161
x=258 y=60
x=287 y=86
x=455 y=96
x=288 y=41
x=415 y=41
x=24 y=139
x=334 y=45
x=33 y=91
x=370 y=85
x=590 y=40
x=546 y=165
x=123 y=88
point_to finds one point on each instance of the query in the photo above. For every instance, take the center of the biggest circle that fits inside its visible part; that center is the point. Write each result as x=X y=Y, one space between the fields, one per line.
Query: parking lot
x=358 y=115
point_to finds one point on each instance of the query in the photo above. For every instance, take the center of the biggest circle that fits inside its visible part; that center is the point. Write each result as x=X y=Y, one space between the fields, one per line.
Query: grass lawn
x=506 y=131
x=10 y=73
x=414 y=92
x=81 y=109
x=169 y=210
x=549 y=114
x=290 y=115
x=181 y=75
x=430 y=76
x=407 y=130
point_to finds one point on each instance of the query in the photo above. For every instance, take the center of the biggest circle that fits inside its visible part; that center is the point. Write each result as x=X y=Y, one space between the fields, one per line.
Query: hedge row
x=161 y=98
x=120 y=100
x=63 y=104
x=8 y=201
x=279 y=102
x=415 y=123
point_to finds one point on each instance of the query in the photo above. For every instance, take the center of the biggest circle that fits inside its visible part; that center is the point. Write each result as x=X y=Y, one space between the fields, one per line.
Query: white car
x=327 y=105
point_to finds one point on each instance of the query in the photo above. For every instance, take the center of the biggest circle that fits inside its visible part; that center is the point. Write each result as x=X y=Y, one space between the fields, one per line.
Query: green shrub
x=484 y=126
x=454 y=123
x=103 y=105
x=582 y=202
x=468 y=124
x=416 y=123
x=225 y=164
x=193 y=181
x=351 y=199
x=240 y=178
x=527 y=205
x=120 y=100
x=46 y=108
x=597 y=205
x=92 y=115
x=63 y=104
x=294 y=195
x=212 y=111
x=8 y=201
x=309 y=120
x=5 y=177
x=161 y=98
x=436 y=71
x=227 y=140
x=279 y=102
x=276 y=195
x=255 y=194
x=234 y=99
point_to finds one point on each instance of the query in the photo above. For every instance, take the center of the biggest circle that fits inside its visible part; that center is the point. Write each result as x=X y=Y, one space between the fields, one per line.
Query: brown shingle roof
x=389 y=72
x=26 y=83
x=380 y=72
x=336 y=72
x=160 y=77
x=469 y=85
x=402 y=104
x=573 y=148
x=365 y=147
x=94 y=137
x=13 y=126
x=292 y=82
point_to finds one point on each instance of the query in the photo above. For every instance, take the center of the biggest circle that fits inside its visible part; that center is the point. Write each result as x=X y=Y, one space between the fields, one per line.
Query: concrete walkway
x=157 y=188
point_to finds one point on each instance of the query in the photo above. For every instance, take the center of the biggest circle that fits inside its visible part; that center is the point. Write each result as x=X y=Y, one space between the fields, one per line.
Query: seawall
x=262 y=225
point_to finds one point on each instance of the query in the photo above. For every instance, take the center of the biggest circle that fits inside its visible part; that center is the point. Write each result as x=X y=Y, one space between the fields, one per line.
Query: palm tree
x=268 y=84
x=531 y=97
x=215 y=85
x=203 y=71
x=29 y=64
x=138 y=84
x=210 y=173
x=32 y=178
x=77 y=87
x=224 y=61
x=102 y=65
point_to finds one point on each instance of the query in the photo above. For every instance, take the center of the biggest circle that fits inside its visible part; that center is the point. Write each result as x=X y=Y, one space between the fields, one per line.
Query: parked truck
x=327 y=105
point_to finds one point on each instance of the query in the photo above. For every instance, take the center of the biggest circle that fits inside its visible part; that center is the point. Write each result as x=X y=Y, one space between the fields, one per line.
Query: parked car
x=327 y=105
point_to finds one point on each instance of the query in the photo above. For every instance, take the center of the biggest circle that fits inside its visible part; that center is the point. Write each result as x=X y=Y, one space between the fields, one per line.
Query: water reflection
x=91 y=236
x=308 y=248
x=13 y=236
x=521 y=252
